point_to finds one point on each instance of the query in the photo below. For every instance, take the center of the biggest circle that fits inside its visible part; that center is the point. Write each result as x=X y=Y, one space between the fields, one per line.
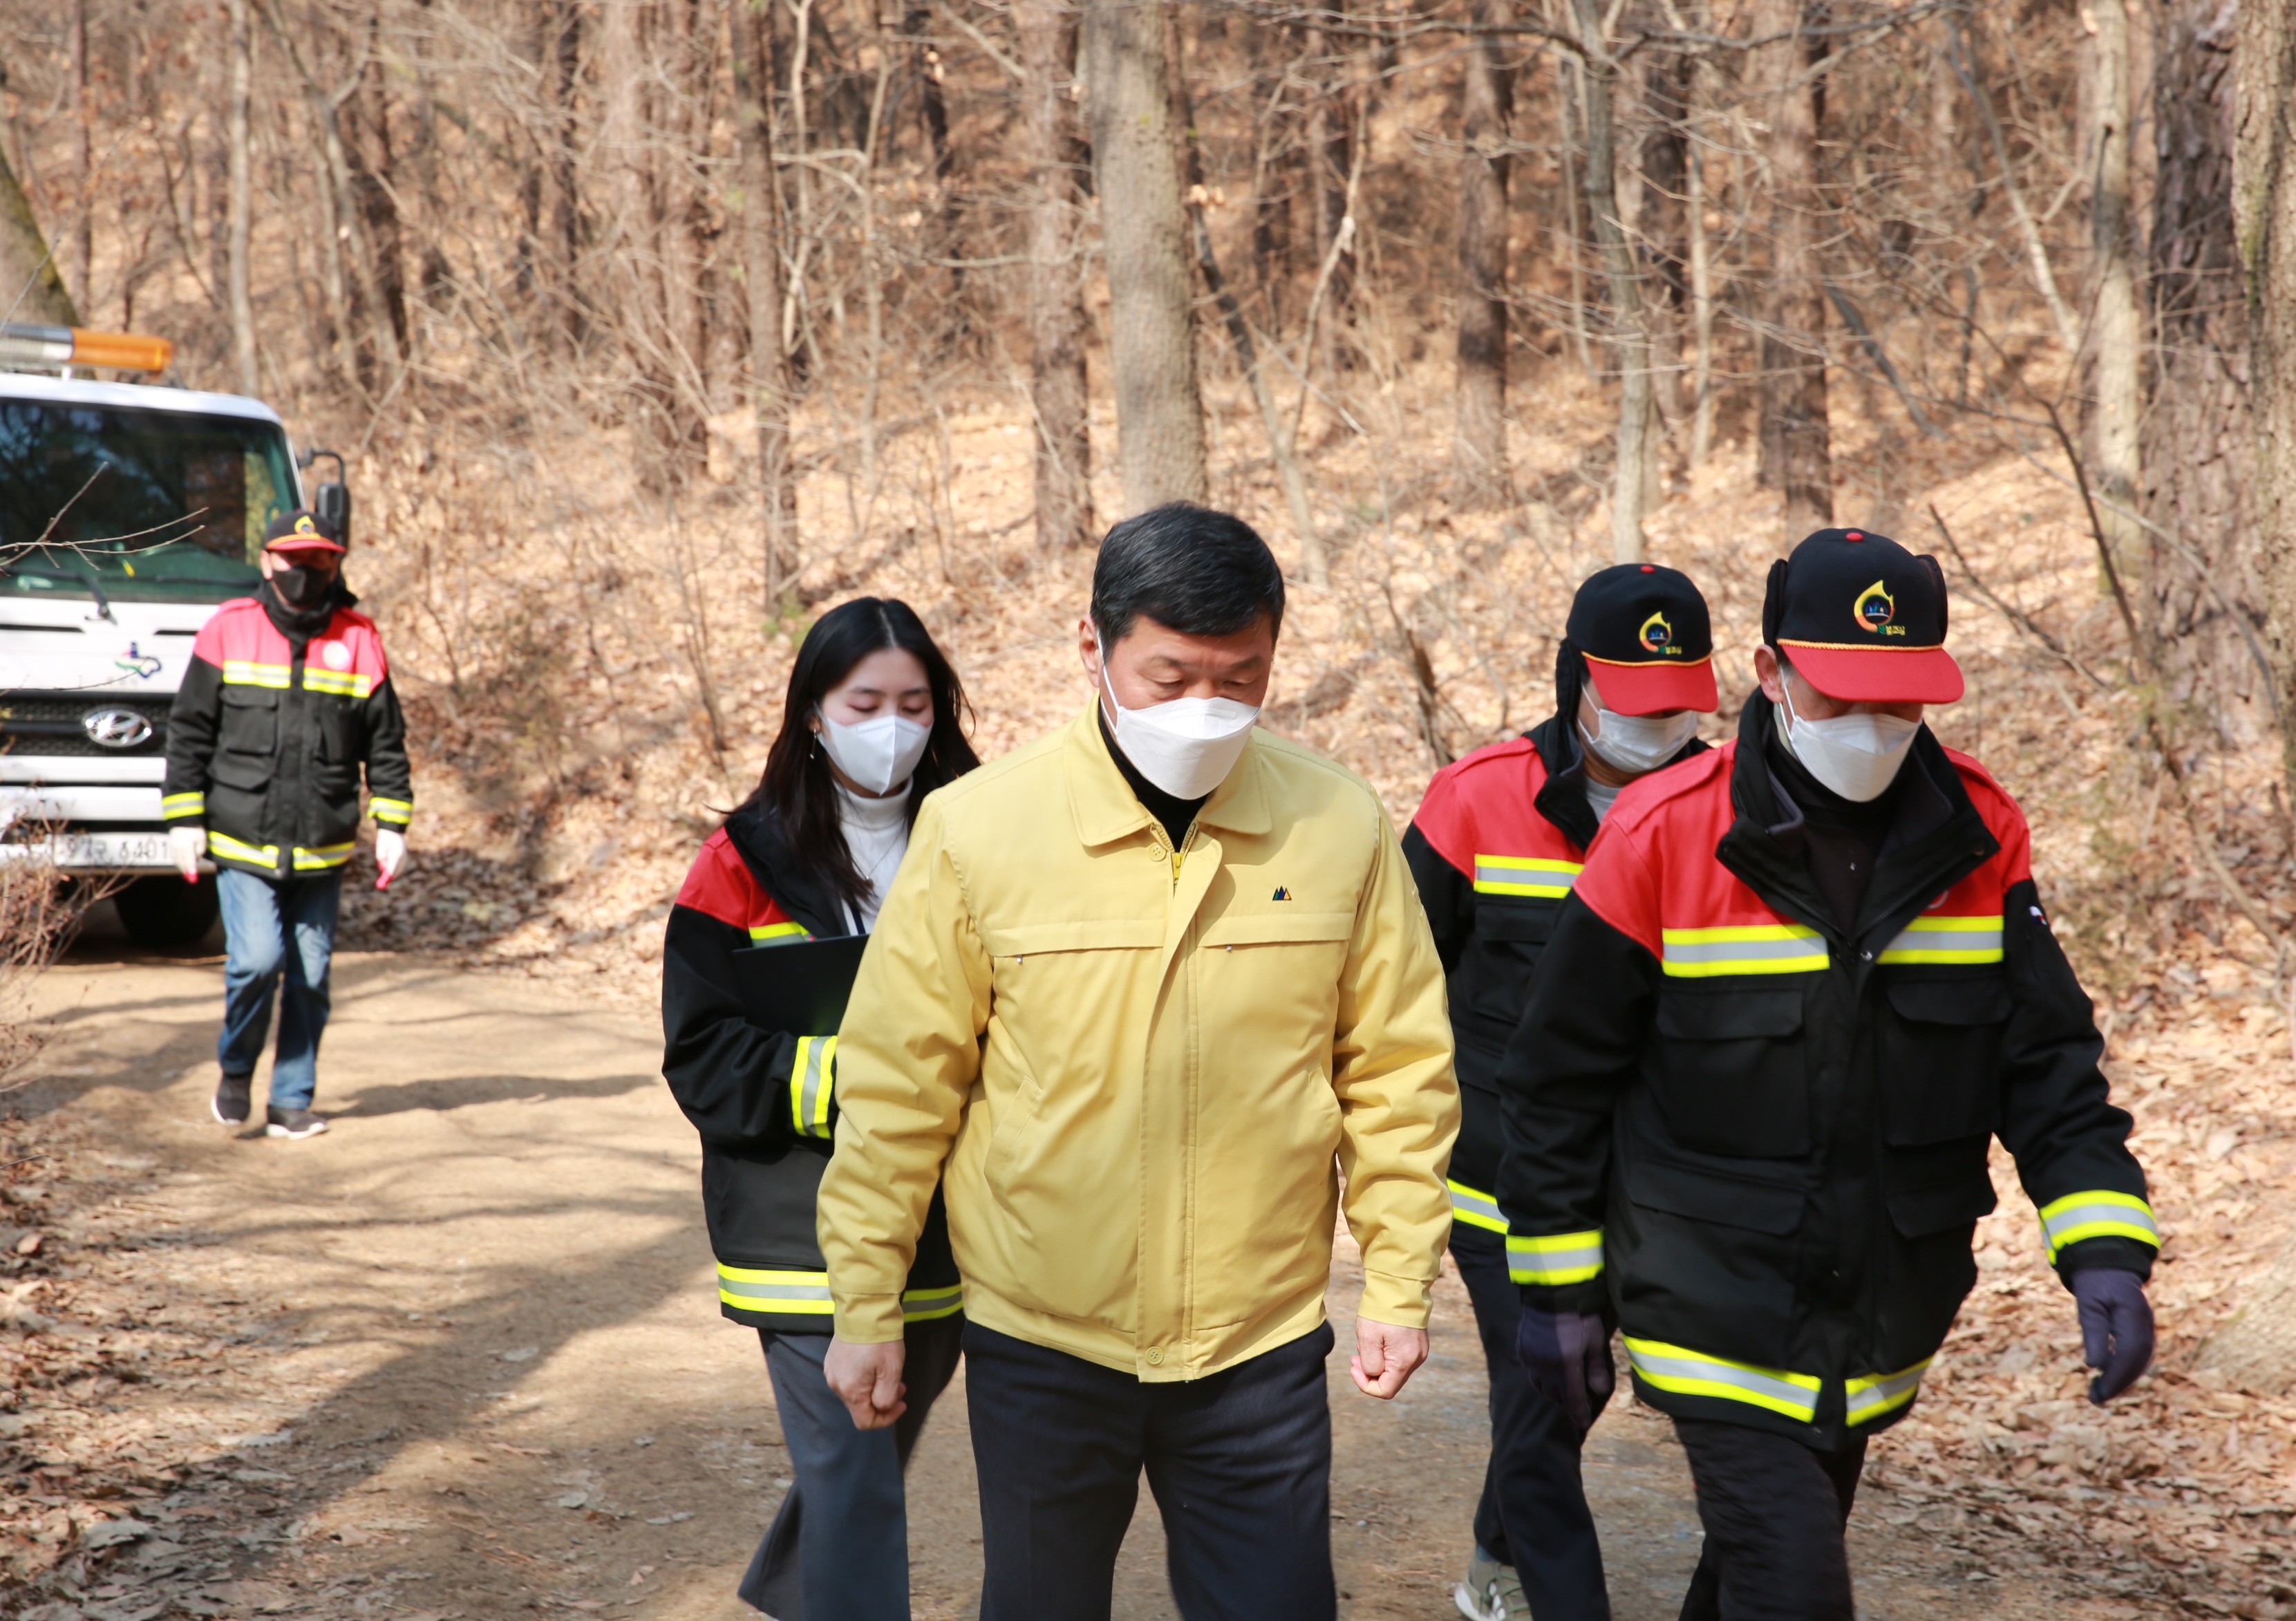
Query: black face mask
x=301 y=587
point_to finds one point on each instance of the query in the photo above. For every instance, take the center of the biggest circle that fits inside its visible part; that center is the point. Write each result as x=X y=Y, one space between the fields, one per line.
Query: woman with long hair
x=875 y=721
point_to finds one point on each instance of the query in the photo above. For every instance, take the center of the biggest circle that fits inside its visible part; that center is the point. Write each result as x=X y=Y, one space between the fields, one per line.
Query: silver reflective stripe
x=2096 y=1215
x=1736 y=950
x=1476 y=1208
x=1870 y=1397
x=1570 y=1258
x=817 y=1051
x=1557 y=876
x=1688 y=1373
x=917 y=1304
x=775 y=1291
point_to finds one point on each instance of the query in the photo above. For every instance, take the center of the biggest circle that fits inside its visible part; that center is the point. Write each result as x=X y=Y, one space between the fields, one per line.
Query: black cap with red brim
x=1648 y=641
x=300 y=531
x=1862 y=619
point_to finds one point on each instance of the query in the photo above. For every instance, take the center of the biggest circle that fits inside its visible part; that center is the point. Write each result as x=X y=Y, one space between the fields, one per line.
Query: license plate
x=97 y=849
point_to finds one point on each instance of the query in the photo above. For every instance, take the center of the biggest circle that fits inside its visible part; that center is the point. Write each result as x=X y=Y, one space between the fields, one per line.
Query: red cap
x=301 y=531
x=1650 y=689
x=1877 y=675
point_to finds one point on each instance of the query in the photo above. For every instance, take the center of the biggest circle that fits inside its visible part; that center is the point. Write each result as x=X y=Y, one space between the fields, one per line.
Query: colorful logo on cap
x=1658 y=636
x=1875 y=609
x=304 y=526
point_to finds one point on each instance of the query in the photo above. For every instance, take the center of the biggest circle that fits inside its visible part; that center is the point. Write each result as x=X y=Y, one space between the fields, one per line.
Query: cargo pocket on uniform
x=1730 y=1072
x=250 y=722
x=1941 y=1058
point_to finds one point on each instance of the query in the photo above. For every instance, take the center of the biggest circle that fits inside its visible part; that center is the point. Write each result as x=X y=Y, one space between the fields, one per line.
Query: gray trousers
x=838 y=1549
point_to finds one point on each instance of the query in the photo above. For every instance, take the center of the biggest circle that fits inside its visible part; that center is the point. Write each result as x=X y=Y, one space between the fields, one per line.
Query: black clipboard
x=801 y=987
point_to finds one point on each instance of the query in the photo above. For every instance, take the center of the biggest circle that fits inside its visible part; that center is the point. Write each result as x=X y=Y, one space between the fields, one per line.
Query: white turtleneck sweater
x=877 y=833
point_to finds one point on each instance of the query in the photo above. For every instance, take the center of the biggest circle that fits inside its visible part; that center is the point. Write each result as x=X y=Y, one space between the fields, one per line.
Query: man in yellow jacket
x=1152 y=999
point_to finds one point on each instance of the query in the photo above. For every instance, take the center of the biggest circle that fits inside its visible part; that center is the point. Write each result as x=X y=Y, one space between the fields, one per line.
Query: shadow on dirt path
x=460 y=1356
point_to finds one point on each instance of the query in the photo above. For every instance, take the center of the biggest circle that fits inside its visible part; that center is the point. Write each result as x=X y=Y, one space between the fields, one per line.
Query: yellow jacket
x=1141 y=1077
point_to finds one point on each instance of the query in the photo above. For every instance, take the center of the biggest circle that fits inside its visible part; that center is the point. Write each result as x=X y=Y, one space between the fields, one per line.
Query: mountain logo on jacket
x=1281 y=893
x=1875 y=609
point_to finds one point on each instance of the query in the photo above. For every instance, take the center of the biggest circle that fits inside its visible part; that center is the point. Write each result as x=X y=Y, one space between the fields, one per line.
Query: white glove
x=186 y=846
x=389 y=850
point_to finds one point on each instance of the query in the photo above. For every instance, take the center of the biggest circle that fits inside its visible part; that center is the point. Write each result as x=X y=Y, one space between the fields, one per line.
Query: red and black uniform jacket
x=764 y=1100
x=267 y=736
x=1495 y=848
x=1761 y=1138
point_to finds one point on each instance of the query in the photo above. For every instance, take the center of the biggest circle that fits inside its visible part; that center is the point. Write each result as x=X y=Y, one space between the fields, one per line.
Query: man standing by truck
x=287 y=695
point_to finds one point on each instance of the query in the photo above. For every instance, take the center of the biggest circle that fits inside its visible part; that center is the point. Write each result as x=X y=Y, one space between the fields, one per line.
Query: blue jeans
x=272 y=927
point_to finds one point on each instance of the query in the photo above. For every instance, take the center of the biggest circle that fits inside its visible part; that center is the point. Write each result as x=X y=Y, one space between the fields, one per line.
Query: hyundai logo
x=115 y=729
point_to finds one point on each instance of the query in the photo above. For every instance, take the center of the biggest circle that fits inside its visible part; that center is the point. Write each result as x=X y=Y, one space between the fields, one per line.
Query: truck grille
x=54 y=724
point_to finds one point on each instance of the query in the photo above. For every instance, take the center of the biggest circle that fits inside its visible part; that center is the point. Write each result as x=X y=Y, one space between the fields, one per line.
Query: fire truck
x=128 y=510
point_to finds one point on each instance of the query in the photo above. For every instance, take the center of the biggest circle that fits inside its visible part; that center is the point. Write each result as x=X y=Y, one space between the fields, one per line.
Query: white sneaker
x=1492 y=1591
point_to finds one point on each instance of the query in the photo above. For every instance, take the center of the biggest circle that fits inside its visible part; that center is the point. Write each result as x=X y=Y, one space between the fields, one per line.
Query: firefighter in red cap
x=1495 y=847
x=1801 y=984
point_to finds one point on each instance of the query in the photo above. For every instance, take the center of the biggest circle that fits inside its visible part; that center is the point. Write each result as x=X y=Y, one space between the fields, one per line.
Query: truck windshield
x=135 y=504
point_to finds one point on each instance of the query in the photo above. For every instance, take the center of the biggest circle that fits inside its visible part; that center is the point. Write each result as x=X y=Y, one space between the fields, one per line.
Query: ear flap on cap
x=1945 y=598
x=1774 y=603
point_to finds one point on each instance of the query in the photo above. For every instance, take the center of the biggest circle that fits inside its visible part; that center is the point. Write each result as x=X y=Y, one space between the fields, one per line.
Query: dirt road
x=461 y=1357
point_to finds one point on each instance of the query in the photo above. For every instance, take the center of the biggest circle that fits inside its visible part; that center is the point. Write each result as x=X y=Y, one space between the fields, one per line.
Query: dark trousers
x=1774 y=1512
x=1239 y=1462
x=1533 y=1512
x=838 y=1549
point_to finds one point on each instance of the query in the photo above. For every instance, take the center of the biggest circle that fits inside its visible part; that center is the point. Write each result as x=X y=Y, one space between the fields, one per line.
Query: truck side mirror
x=330 y=504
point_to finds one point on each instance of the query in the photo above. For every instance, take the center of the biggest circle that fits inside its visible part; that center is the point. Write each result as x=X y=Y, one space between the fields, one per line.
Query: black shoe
x=297 y=1123
x=230 y=1105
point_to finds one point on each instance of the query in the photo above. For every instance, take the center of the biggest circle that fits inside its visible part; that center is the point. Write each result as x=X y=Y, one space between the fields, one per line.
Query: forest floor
x=460 y=1357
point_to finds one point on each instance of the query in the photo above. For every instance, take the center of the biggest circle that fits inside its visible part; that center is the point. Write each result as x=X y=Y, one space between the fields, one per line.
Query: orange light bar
x=24 y=343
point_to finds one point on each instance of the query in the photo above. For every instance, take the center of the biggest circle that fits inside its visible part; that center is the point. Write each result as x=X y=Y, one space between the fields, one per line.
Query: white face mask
x=1858 y=756
x=1636 y=743
x=1186 y=746
x=879 y=753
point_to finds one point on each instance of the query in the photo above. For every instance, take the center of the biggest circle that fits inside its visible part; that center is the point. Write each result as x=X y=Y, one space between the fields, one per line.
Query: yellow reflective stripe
x=246 y=672
x=183 y=804
x=1767 y=948
x=324 y=857
x=1475 y=1208
x=224 y=845
x=1683 y=1372
x=1496 y=875
x=1939 y=939
x=399 y=811
x=2097 y=1215
x=1567 y=1257
x=748 y=1289
x=812 y=1074
x=1872 y=1395
x=339 y=683
x=778 y=931
x=930 y=1305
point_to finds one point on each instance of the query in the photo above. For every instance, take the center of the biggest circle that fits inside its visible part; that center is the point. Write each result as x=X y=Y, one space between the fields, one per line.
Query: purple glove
x=2116 y=1323
x=1567 y=1356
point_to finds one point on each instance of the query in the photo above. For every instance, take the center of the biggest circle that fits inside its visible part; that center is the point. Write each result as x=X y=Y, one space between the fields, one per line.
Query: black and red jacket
x=1761 y=1138
x=267 y=736
x=1495 y=848
x=764 y=1100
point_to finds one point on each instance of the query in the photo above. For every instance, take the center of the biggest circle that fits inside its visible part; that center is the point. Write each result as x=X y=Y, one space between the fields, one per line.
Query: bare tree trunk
x=2264 y=193
x=1664 y=226
x=1797 y=445
x=30 y=289
x=1057 y=387
x=242 y=198
x=1331 y=159
x=932 y=115
x=1479 y=438
x=2201 y=599
x=1630 y=480
x=81 y=249
x=1159 y=423
x=365 y=121
x=1701 y=312
x=752 y=35
x=678 y=151
x=2116 y=334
